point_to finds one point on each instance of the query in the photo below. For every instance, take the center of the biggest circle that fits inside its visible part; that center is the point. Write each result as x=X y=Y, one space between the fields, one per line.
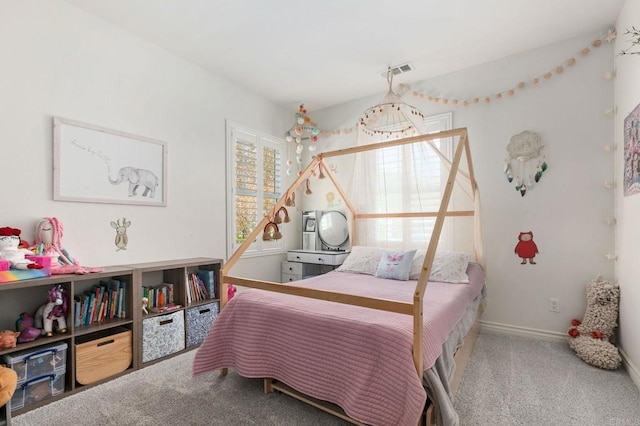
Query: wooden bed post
x=421 y=286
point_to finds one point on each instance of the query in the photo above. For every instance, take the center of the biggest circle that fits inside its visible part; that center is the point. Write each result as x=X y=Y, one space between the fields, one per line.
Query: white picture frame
x=93 y=164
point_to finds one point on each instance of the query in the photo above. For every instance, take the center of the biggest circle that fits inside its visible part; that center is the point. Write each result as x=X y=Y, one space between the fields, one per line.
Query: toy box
x=37 y=389
x=199 y=322
x=41 y=373
x=37 y=362
x=162 y=335
x=102 y=355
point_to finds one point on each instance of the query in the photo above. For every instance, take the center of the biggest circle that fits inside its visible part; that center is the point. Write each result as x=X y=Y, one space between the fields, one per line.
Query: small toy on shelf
x=55 y=309
x=9 y=250
x=49 y=243
x=145 y=303
x=8 y=339
x=25 y=325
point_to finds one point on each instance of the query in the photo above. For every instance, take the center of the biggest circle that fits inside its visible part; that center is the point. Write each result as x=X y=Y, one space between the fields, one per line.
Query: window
x=408 y=178
x=255 y=184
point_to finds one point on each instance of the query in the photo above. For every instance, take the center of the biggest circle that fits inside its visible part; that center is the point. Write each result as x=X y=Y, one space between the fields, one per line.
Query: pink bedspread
x=355 y=357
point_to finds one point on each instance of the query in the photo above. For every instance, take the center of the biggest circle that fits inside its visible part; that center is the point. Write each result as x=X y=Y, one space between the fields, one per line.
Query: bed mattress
x=358 y=358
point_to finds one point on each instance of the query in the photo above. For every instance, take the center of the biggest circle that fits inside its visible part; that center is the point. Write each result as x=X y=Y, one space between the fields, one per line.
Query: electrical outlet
x=554 y=305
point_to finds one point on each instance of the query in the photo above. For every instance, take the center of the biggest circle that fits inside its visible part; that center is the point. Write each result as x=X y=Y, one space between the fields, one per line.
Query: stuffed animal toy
x=8 y=383
x=590 y=338
x=8 y=339
x=49 y=243
x=55 y=309
x=25 y=325
x=9 y=250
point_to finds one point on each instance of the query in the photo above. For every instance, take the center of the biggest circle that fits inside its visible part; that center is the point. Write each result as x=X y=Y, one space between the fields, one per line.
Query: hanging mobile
x=523 y=163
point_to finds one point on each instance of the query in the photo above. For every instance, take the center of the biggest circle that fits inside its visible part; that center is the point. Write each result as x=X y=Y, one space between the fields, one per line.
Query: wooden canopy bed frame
x=414 y=309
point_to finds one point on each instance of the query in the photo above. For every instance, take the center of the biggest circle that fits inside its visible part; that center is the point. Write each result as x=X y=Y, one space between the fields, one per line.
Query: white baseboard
x=633 y=371
x=522 y=331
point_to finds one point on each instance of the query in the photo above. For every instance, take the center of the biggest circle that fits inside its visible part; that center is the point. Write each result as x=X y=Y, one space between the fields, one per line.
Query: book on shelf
x=209 y=279
x=187 y=287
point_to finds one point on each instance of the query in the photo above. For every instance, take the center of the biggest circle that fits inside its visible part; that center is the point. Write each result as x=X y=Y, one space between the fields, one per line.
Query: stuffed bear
x=8 y=383
x=590 y=338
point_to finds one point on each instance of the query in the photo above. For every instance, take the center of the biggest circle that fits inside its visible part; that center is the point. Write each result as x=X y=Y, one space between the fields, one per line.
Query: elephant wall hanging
x=525 y=163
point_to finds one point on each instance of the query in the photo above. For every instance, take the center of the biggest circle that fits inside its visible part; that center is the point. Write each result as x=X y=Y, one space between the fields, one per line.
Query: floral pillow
x=362 y=260
x=395 y=264
x=448 y=267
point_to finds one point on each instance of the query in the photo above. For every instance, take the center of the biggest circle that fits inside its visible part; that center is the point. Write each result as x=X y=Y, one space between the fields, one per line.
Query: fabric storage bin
x=37 y=389
x=162 y=335
x=103 y=355
x=38 y=362
x=199 y=321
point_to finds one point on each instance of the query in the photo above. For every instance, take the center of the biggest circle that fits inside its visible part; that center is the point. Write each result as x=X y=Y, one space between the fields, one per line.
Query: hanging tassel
x=291 y=200
x=308 y=191
x=277 y=235
x=320 y=173
x=277 y=218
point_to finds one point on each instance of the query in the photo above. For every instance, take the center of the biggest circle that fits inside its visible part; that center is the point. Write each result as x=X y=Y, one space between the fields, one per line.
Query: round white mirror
x=333 y=229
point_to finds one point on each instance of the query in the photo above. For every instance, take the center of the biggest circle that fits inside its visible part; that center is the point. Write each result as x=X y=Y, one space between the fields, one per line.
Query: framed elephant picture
x=93 y=164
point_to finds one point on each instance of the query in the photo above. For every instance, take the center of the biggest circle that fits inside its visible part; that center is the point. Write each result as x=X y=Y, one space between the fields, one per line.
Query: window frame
x=238 y=133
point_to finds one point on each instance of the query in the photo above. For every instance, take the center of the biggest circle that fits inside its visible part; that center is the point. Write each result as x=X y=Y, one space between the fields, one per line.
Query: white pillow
x=448 y=267
x=362 y=260
x=395 y=264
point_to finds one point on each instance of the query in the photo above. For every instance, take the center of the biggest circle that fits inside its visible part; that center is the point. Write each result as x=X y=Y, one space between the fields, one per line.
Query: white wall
x=565 y=210
x=60 y=61
x=627 y=97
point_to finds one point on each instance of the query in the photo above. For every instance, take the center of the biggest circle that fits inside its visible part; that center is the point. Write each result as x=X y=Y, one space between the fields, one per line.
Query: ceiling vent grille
x=398 y=69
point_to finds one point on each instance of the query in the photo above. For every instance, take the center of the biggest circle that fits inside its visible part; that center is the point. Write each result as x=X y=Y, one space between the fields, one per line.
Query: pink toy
x=25 y=325
x=48 y=242
x=55 y=309
x=231 y=291
x=8 y=339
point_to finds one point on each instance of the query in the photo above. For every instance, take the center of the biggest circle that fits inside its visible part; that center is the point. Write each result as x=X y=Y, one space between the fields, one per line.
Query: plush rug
x=509 y=381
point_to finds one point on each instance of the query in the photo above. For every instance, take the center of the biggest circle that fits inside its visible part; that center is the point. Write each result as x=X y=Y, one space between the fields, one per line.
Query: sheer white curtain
x=401 y=179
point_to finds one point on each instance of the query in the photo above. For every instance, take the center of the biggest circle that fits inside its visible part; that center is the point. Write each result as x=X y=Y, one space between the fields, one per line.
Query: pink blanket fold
x=358 y=358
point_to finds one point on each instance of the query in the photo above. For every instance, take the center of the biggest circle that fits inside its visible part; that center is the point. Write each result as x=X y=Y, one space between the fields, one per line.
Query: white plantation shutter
x=255 y=176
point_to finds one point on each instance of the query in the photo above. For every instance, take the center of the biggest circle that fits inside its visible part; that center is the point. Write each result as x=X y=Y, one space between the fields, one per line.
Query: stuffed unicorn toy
x=54 y=310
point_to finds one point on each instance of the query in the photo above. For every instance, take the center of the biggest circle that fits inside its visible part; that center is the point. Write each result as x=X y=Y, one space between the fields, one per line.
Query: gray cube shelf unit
x=197 y=316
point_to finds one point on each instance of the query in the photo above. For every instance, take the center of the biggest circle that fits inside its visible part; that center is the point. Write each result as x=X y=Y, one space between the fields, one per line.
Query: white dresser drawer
x=317 y=257
x=294 y=268
x=287 y=278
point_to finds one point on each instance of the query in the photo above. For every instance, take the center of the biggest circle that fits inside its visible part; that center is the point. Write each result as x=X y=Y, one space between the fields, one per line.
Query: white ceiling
x=326 y=52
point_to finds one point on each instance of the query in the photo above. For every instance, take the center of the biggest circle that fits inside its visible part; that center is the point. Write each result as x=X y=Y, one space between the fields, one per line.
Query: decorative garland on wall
x=609 y=36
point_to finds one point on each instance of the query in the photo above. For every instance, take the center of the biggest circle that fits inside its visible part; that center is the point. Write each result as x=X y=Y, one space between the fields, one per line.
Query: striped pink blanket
x=358 y=358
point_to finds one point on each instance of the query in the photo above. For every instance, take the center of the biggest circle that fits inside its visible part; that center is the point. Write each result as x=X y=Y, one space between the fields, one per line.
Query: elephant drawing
x=137 y=178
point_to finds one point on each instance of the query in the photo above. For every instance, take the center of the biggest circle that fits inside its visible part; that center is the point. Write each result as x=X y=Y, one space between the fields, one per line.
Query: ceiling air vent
x=398 y=69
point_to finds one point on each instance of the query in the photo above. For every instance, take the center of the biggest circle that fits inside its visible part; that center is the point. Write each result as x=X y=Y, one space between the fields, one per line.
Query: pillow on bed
x=448 y=267
x=395 y=264
x=362 y=260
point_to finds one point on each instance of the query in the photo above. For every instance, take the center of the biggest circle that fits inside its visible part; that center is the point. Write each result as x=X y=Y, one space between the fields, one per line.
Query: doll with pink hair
x=48 y=242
